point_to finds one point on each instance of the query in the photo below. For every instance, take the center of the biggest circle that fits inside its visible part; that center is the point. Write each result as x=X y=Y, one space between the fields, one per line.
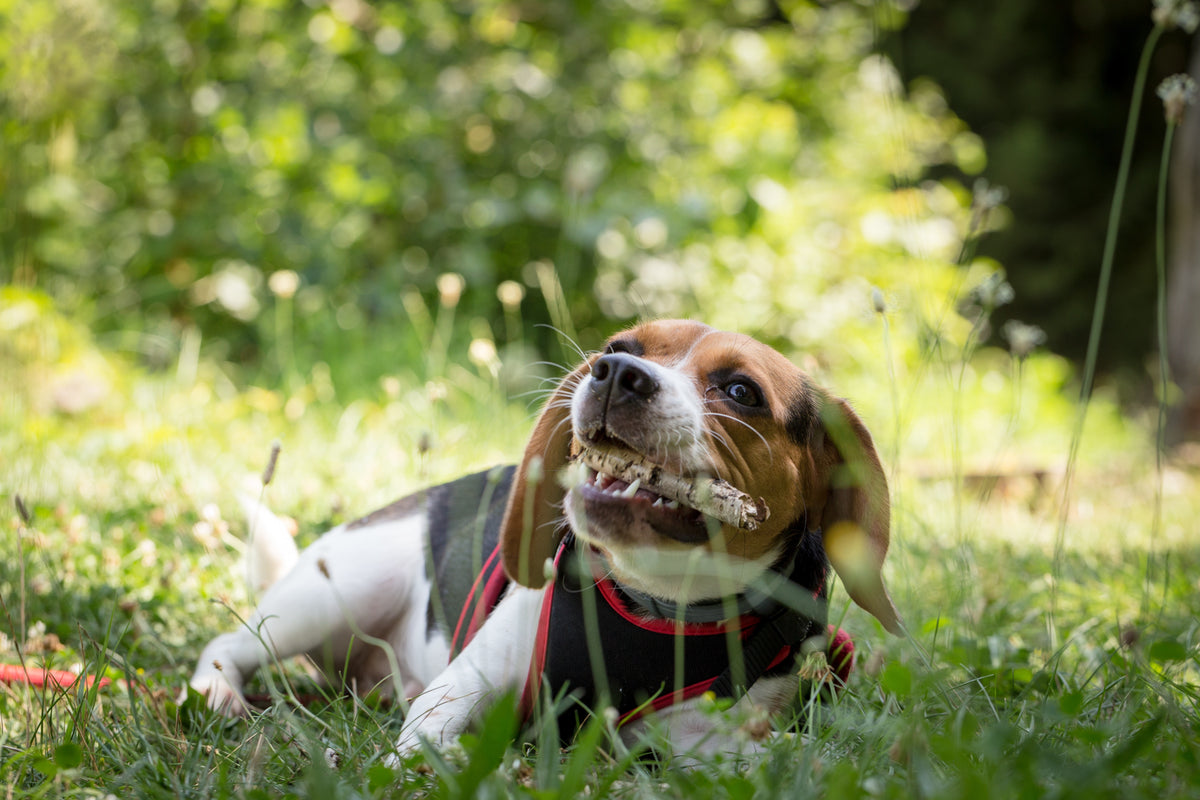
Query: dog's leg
x=496 y=661
x=698 y=733
x=373 y=576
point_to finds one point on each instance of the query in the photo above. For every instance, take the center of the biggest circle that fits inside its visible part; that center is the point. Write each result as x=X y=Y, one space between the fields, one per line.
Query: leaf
x=485 y=750
x=1167 y=650
x=738 y=787
x=68 y=755
x=897 y=679
x=1071 y=703
x=380 y=776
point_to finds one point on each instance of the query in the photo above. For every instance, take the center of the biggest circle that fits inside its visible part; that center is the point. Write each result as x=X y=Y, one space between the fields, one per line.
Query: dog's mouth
x=615 y=481
x=608 y=497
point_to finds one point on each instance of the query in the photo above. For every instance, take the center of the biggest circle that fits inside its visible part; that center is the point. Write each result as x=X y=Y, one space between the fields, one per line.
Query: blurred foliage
x=277 y=184
x=1047 y=85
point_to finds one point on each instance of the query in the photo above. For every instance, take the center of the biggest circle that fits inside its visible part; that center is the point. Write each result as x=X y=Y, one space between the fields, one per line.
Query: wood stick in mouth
x=711 y=496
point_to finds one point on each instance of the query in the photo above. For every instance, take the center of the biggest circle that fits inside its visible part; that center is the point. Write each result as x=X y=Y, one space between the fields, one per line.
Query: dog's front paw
x=222 y=694
x=428 y=723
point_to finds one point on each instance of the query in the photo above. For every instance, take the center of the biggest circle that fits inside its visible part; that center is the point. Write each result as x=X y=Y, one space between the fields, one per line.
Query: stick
x=711 y=496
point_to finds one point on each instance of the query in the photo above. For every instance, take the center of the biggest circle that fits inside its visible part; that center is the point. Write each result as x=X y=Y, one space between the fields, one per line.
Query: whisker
x=564 y=338
x=748 y=426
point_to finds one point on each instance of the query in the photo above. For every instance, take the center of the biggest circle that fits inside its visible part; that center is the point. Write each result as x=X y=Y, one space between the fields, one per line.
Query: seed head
x=22 y=510
x=986 y=197
x=1022 y=338
x=450 y=287
x=1176 y=14
x=1177 y=93
x=511 y=294
x=269 y=472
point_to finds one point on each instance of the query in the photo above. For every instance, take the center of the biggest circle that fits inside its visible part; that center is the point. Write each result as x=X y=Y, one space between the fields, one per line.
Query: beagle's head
x=694 y=404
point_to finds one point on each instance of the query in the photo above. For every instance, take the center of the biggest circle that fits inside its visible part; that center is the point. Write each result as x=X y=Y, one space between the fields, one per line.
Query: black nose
x=621 y=376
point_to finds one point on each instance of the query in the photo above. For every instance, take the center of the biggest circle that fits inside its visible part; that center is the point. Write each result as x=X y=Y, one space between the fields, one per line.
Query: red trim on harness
x=494 y=585
x=840 y=654
x=537 y=665
x=608 y=590
x=688 y=692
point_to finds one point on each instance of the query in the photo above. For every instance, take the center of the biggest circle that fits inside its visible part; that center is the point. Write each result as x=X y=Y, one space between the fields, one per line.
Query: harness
x=601 y=643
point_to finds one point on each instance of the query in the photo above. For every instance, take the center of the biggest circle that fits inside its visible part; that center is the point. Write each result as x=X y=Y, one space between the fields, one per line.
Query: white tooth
x=674 y=504
x=657 y=503
x=633 y=487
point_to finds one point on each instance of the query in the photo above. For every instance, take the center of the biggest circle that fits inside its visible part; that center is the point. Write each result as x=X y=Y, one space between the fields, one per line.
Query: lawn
x=1052 y=653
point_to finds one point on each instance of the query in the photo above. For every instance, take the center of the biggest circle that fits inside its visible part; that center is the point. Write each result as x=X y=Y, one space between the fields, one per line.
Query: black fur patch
x=803 y=419
x=464 y=529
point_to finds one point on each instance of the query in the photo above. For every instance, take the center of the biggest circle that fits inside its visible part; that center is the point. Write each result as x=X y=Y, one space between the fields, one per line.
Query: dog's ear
x=531 y=530
x=855 y=520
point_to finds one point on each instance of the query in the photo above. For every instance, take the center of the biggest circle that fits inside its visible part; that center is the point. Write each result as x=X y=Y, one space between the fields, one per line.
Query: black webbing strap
x=785 y=628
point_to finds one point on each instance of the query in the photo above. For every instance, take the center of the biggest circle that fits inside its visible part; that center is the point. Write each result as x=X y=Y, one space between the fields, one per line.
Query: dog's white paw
x=221 y=695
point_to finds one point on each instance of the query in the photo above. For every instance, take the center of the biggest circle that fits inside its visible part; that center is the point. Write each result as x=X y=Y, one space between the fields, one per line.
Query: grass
x=127 y=566
x=1054 y=649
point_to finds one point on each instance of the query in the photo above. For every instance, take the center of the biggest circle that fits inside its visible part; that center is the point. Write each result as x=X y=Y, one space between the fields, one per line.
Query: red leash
x=55 y=678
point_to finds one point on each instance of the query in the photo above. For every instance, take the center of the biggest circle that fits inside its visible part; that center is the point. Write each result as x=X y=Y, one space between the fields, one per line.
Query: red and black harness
x=654 y=654
x=601 y=644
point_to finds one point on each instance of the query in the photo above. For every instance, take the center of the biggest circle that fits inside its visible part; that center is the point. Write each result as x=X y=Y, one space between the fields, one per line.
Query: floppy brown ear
x=530 y=530
x=856 y=519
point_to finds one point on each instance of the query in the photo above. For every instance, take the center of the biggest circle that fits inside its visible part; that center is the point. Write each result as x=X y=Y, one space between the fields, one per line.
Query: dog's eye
x=744 y=394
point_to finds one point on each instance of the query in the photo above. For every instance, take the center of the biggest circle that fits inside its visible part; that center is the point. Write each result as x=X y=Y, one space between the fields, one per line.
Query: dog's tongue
x=616 y=485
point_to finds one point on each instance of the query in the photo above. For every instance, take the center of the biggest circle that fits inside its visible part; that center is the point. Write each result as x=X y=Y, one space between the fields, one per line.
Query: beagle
x=607 y=569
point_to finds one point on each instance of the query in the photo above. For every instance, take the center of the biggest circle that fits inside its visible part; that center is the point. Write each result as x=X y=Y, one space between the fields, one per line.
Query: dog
x=632 y=589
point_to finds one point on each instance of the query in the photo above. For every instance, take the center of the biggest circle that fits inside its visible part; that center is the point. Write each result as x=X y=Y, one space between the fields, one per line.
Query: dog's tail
x=270 y=549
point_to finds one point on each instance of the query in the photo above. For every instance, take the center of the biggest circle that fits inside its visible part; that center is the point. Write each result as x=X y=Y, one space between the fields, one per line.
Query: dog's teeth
x=673 y=505
x=632 y=488
x=657 y=503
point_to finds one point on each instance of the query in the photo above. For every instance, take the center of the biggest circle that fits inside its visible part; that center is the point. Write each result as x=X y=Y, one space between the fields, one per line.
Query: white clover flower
x=1177 y=93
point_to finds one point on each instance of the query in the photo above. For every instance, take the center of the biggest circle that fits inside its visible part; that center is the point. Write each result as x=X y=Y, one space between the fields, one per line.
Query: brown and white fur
x=691 y=399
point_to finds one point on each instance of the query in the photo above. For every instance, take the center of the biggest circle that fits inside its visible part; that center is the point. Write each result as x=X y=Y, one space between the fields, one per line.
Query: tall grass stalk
x=1177 y=92
x=1098 y=313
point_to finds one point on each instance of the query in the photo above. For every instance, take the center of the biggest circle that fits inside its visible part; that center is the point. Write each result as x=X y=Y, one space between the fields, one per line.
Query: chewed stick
x=711 y=496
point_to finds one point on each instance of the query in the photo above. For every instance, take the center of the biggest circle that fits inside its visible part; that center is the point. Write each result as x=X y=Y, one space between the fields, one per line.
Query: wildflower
x=1022 y=338
x=1176 y=14
x=1177 y=93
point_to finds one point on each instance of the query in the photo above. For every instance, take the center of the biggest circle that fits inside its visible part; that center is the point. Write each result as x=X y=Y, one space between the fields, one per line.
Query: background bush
x=288 y=181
